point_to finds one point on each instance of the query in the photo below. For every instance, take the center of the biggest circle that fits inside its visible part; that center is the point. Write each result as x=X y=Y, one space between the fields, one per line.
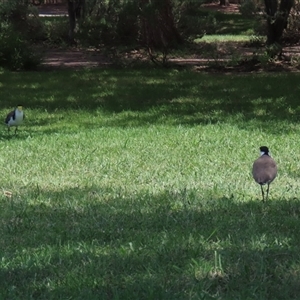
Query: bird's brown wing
x=264 y=170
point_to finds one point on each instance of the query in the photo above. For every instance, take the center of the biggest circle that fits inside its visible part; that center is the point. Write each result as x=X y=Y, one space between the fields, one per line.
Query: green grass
x=223 y=38
x=229 y=24
x=235 y=24
x=136 y=184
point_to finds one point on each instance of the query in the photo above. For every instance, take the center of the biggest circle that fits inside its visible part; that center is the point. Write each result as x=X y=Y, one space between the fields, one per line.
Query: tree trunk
x=277 y=19
x=76 y=9
x=72 y=20
x=224 y=2
x=157 y=25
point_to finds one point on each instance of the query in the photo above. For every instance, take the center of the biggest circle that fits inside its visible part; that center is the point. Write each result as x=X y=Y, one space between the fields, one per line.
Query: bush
x=90 y=31
x=127 y=26
x=113 y=22
x=197 y=25
x=18 y=29
x=56 y=30
x=34 y=29
x=248 y=8
x=22 y=17
x=15 y=52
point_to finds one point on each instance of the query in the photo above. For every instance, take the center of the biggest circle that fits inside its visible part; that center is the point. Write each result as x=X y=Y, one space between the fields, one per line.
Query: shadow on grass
x=20 y=135
x=173 y=245
x=140 y=97
x=234 y=24
x=27 y=133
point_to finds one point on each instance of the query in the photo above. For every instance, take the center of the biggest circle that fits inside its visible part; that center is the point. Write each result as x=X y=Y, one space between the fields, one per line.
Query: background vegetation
x=156 y=26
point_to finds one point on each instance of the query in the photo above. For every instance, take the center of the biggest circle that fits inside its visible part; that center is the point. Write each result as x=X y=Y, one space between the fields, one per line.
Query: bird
x=15 y=118
x=264 y=170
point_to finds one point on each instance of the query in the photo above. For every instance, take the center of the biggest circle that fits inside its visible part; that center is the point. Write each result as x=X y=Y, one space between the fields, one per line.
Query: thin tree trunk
x=224 y=2
x=76 y=11
x=158 y=30
x=277 y=19
x=72 y=20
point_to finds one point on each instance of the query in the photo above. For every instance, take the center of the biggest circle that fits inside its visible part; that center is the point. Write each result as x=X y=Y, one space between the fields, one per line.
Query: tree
x=277 y=18
x=224 y=2
x=157 y=27
x=76 y=10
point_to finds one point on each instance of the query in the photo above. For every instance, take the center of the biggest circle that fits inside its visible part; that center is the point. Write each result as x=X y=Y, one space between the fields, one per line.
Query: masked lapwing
x=15 y=118
x=264 y=170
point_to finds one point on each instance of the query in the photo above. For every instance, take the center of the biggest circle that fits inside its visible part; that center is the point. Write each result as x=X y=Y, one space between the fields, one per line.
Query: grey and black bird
x=264 y=170
x=15 y=118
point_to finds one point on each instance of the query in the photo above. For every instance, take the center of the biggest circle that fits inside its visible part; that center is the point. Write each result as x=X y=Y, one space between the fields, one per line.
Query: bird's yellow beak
x=20 y=107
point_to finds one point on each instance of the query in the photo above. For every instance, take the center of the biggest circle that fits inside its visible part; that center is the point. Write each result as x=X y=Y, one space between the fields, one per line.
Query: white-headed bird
x=264 y=170
x=15 y=118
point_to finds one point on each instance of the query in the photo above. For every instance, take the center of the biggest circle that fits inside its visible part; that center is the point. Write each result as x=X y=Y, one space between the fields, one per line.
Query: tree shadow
x=89 y=241
x=152 y=96
x=20 y=135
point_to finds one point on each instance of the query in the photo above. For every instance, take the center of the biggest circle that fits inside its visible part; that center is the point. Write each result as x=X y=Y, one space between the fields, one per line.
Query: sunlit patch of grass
x=223 y=38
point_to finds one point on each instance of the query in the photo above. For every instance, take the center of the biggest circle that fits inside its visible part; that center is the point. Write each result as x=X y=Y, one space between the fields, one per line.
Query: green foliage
x=15 y=51
x=127 y=26
x=55 y=30
x=96 y=31
x=17 y=33
x=273 y=50
x=248 y=8
x=192 y=20
x=23 y=18
x=195 y=21
x=109 y=22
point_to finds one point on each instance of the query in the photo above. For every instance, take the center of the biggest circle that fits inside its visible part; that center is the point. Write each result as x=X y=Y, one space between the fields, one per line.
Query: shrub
x=248 y=8
x=127 y=26
x=15 y=52
x=56 y=30
x=112 y=22
x=194 y=21
x=23 y=18
x=18 y=30
x=90 y=31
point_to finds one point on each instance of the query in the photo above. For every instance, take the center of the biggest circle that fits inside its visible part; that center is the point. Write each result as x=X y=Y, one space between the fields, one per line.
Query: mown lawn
x=136 y=184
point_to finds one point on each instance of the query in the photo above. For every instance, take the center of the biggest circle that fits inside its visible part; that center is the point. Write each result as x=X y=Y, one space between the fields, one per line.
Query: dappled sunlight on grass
x=159 y=96
x=223 y=38
x=137 y=184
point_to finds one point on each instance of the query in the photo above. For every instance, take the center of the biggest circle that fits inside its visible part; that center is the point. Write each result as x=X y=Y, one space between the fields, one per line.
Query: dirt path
x=52 y=10
x=74 y=58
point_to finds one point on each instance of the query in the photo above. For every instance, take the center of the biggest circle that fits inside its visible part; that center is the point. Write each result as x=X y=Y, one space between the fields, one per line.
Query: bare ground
x=74 y=58
x=224 y=62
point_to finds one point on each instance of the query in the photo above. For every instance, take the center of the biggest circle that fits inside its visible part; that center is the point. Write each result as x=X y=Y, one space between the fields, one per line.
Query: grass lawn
x=136 y=184
x=223 y=38
x=235 y=24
